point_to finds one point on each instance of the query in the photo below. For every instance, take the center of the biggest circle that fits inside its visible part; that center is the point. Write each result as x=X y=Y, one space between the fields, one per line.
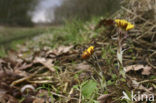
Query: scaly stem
x=100 y=73
x=119 y=50
x=121 y=37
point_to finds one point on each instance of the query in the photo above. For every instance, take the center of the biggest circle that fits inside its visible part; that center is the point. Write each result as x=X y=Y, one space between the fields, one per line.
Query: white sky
x=39 y=15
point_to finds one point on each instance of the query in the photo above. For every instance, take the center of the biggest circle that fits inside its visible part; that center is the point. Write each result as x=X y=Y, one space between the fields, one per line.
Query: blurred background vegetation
x=85 y=9
x=17 y=17
x=17 y=12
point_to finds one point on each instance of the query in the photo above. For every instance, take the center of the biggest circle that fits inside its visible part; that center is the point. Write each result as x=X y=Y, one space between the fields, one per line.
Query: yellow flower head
x=125 y=25
x=88 y=52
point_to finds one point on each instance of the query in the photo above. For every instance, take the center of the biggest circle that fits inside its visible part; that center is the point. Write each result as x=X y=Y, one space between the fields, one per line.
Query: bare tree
x=14 y=12
x=85 y=9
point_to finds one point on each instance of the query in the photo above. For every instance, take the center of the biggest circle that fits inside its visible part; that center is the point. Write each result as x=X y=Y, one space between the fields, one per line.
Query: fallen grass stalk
x=26 y=78
x=60 y=95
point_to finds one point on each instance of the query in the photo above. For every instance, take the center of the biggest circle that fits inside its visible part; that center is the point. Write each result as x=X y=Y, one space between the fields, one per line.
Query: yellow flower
x=125 y=25
x=88 y=52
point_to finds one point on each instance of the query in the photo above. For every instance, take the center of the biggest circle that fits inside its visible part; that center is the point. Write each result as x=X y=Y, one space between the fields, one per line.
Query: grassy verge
x=10 y=37
x=72 y=32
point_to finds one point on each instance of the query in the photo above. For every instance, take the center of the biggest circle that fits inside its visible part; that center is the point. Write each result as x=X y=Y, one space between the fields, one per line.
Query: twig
x=40 y=82
x=127 y=10
x=80 y=96
x=70 y=93
x=59 y=95
x=148 y=60
x=146 y=32
x=145 y=81
x=25 y=78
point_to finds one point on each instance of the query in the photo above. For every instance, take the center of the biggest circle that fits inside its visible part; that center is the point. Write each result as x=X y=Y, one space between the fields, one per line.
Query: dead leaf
x=105 y=98
x=146 y=70
x=45 y=96
x=6 y=98
x=137 y=85
x=45 y=62
x=25 y=66
x=39 y=100
x=104 y=22
x=62 y=49
x=83 y=66
x=21 y=69
x=28 y=99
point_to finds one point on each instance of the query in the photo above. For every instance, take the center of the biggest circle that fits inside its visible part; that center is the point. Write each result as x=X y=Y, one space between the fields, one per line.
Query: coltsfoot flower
x=125 y=25
x=88 y=52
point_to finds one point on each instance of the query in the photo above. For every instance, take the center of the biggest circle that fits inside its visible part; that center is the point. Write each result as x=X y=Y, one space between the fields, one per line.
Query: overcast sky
x=39 y=14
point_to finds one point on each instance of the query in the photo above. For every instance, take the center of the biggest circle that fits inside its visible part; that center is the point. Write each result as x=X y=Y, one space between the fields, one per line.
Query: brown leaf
x=6 y=98
x=137 y=85
x=62 y=49
x=39 y=100
x=13 y=58
x=25 y=66
x=146 y=70
x=46 y=62
x=28 y=99
x=21 y=69
x=104 y=22
x=106 y=98
x=45 y=96
x=83 y=66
